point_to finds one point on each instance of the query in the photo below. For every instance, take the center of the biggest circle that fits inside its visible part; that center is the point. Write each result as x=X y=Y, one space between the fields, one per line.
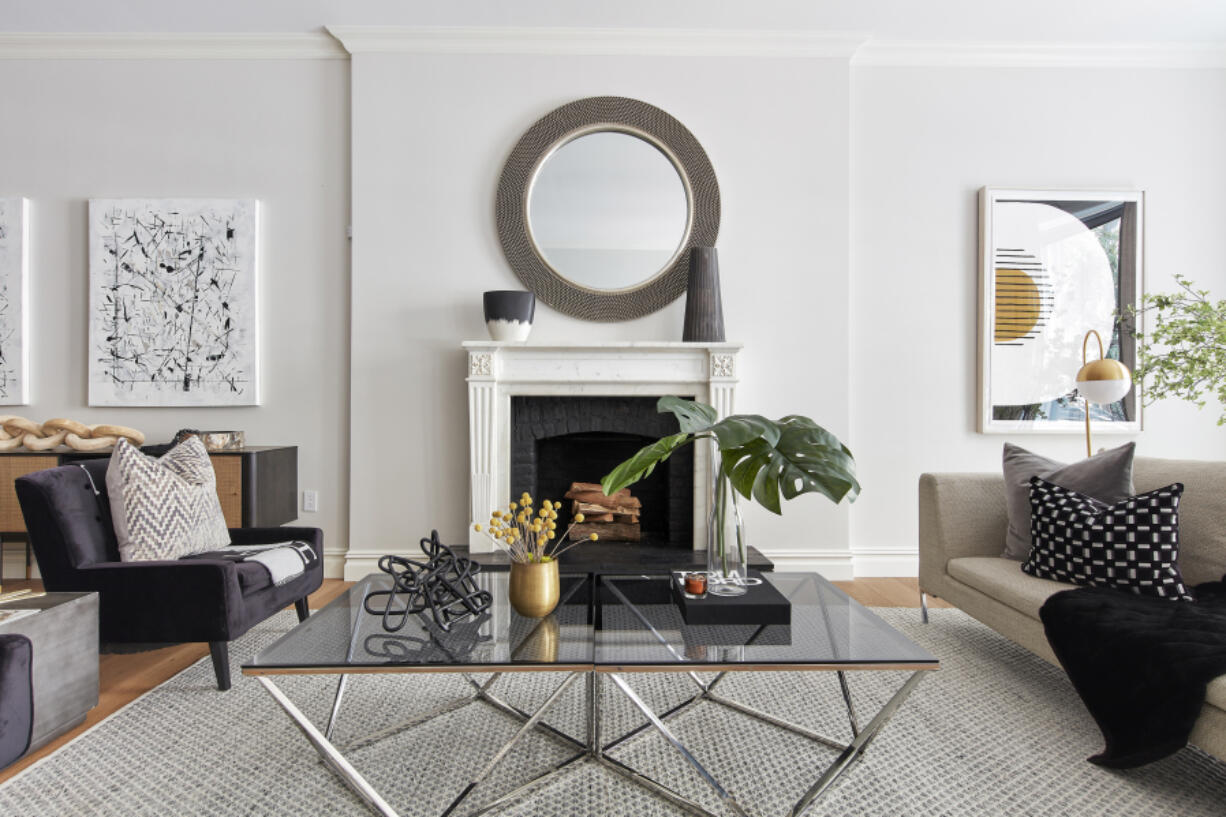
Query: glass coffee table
x=605 y=627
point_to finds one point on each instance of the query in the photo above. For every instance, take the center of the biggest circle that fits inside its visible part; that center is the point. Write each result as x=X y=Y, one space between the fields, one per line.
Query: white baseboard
x=13 y=561
x=834 y=565
x=360 y=564
x=885 y=562
x=334 y=564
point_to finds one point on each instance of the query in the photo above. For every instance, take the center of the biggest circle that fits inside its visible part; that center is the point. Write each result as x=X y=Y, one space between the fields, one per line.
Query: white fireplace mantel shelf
x=591 y=364
x=499 y=370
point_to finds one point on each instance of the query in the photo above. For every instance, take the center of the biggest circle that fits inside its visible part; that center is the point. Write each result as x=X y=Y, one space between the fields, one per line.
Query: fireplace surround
x=498 y=372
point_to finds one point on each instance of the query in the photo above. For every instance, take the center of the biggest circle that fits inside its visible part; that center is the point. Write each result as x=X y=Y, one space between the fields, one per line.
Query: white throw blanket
x=284 y=561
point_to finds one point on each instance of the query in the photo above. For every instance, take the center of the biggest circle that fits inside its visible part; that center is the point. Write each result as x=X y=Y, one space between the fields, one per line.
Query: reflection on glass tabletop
x=638 y=625
x=343 y=637
x=609 y=621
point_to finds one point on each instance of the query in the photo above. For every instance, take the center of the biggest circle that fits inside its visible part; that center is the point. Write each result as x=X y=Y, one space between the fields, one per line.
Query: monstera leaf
x=691 y=415
x=642 y=463
x=763 y=460
x=805 y=458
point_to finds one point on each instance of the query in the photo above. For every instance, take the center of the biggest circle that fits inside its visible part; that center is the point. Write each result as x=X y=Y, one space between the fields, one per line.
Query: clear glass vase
x=727 y=552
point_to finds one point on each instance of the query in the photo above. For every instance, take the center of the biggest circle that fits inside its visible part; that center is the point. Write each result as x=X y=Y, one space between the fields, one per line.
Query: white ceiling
x=1034 y=21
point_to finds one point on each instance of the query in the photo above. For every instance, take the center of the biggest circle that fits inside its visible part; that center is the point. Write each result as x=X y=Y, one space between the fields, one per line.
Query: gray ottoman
x=64 y=638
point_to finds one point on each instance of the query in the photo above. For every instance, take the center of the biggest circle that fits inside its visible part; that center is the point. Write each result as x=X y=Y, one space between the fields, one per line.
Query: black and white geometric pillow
x=1131 y=545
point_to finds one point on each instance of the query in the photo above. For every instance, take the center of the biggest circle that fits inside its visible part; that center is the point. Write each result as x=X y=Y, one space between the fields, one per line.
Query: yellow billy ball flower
x=513 y=506
x=496 y=514
x=579 y=517
x=548 y=505
x=593 y=537
x=519 y=518
x=477 y=528
x=540 y=541
x=510 y=539
x=551 y=534
x=553 y=514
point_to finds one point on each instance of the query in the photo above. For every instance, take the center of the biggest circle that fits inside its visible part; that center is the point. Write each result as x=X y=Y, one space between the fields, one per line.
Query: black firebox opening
x=557 y=440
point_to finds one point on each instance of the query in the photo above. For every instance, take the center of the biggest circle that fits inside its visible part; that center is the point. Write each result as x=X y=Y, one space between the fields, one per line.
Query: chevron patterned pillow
x=165 y=507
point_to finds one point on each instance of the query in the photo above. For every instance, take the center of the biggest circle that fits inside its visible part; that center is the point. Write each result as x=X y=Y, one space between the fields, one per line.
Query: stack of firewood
x=612 y=518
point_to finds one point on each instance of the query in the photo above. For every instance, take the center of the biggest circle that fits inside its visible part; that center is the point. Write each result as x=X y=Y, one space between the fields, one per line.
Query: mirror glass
x=608 y=210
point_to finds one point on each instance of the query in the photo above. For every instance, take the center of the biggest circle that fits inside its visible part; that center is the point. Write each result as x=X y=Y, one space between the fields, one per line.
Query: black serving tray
x=760 y=604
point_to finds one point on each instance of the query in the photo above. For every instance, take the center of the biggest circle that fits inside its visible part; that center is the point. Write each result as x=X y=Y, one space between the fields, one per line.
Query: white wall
x=924 y=141
x=848 y=242
x=274 y=130
x=430 y=136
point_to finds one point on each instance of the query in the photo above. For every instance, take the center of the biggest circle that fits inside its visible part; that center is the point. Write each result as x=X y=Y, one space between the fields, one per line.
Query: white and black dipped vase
x=509 y=313
x=704 y=308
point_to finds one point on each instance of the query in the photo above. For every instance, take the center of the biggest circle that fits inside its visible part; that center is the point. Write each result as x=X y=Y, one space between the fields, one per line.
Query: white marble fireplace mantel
x=499 y=370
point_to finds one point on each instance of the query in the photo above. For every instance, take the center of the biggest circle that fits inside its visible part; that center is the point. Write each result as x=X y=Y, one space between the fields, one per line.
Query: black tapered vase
x=704 y=310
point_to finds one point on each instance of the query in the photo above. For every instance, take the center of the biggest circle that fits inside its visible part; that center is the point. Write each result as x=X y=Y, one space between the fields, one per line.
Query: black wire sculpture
x=444 y=585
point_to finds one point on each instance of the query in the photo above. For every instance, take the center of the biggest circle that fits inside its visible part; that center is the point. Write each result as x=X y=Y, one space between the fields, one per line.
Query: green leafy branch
x=763 y=459
x=1184 y=355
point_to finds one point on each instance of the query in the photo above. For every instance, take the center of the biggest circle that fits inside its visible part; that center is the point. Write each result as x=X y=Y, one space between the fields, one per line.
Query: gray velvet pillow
x=1106 y=476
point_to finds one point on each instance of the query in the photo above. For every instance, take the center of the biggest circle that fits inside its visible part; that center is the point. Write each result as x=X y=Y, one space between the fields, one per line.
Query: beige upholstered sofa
x=962 y=534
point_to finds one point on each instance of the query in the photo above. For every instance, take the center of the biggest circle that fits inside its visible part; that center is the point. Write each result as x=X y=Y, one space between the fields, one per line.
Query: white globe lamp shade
x=1104 y=381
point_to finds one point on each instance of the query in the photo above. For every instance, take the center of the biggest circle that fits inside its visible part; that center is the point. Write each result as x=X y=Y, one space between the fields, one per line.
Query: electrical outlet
x=310 y=501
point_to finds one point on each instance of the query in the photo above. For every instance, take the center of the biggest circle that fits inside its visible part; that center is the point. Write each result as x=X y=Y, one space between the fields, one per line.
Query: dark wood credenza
x=257 y=485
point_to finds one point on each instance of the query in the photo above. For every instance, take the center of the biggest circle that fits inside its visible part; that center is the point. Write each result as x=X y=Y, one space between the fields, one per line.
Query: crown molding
x=338 y=42
x=169 y=46
x=909 y=53
x=652 y=42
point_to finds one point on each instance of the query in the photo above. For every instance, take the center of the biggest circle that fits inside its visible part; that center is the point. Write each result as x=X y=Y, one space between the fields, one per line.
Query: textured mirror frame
x=579 y=118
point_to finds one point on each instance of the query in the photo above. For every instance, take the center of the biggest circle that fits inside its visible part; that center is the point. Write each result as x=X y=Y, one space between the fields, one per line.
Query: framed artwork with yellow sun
x=1055 y=264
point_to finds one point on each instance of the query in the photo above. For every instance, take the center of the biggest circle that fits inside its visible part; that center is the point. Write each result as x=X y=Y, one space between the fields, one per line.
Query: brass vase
x=534 y=588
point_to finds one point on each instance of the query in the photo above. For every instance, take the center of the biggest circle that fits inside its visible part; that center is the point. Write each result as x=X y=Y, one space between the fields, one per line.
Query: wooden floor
x=124 y=678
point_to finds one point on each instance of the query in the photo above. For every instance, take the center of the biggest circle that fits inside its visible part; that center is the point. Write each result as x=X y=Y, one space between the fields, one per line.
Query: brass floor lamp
x=1101 y=381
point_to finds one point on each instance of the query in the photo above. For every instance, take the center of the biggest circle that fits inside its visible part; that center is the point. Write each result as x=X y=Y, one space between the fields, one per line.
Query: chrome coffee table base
x=594 y=748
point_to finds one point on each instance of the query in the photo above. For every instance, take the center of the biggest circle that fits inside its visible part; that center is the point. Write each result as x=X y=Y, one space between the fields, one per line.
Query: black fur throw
x=1139 y=663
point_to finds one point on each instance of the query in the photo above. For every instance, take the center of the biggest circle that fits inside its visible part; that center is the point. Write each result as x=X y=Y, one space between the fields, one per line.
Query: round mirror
x=599 y=204
x=608 y=211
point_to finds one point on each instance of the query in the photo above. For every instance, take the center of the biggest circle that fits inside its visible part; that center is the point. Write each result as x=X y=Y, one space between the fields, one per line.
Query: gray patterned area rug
x=996 y=731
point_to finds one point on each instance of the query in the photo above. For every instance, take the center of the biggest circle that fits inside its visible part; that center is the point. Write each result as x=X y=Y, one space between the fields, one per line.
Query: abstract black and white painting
x=172 y=302
x=1054 y=265
x=14 y=346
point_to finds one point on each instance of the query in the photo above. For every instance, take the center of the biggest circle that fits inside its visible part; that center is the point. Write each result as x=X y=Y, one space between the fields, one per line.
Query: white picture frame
x=14 y=302
x=1054 y=264
x=174 y=302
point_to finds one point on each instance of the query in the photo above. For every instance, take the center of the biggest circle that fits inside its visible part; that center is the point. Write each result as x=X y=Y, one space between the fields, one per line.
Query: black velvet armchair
x=16 y=697
x=198 y=599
